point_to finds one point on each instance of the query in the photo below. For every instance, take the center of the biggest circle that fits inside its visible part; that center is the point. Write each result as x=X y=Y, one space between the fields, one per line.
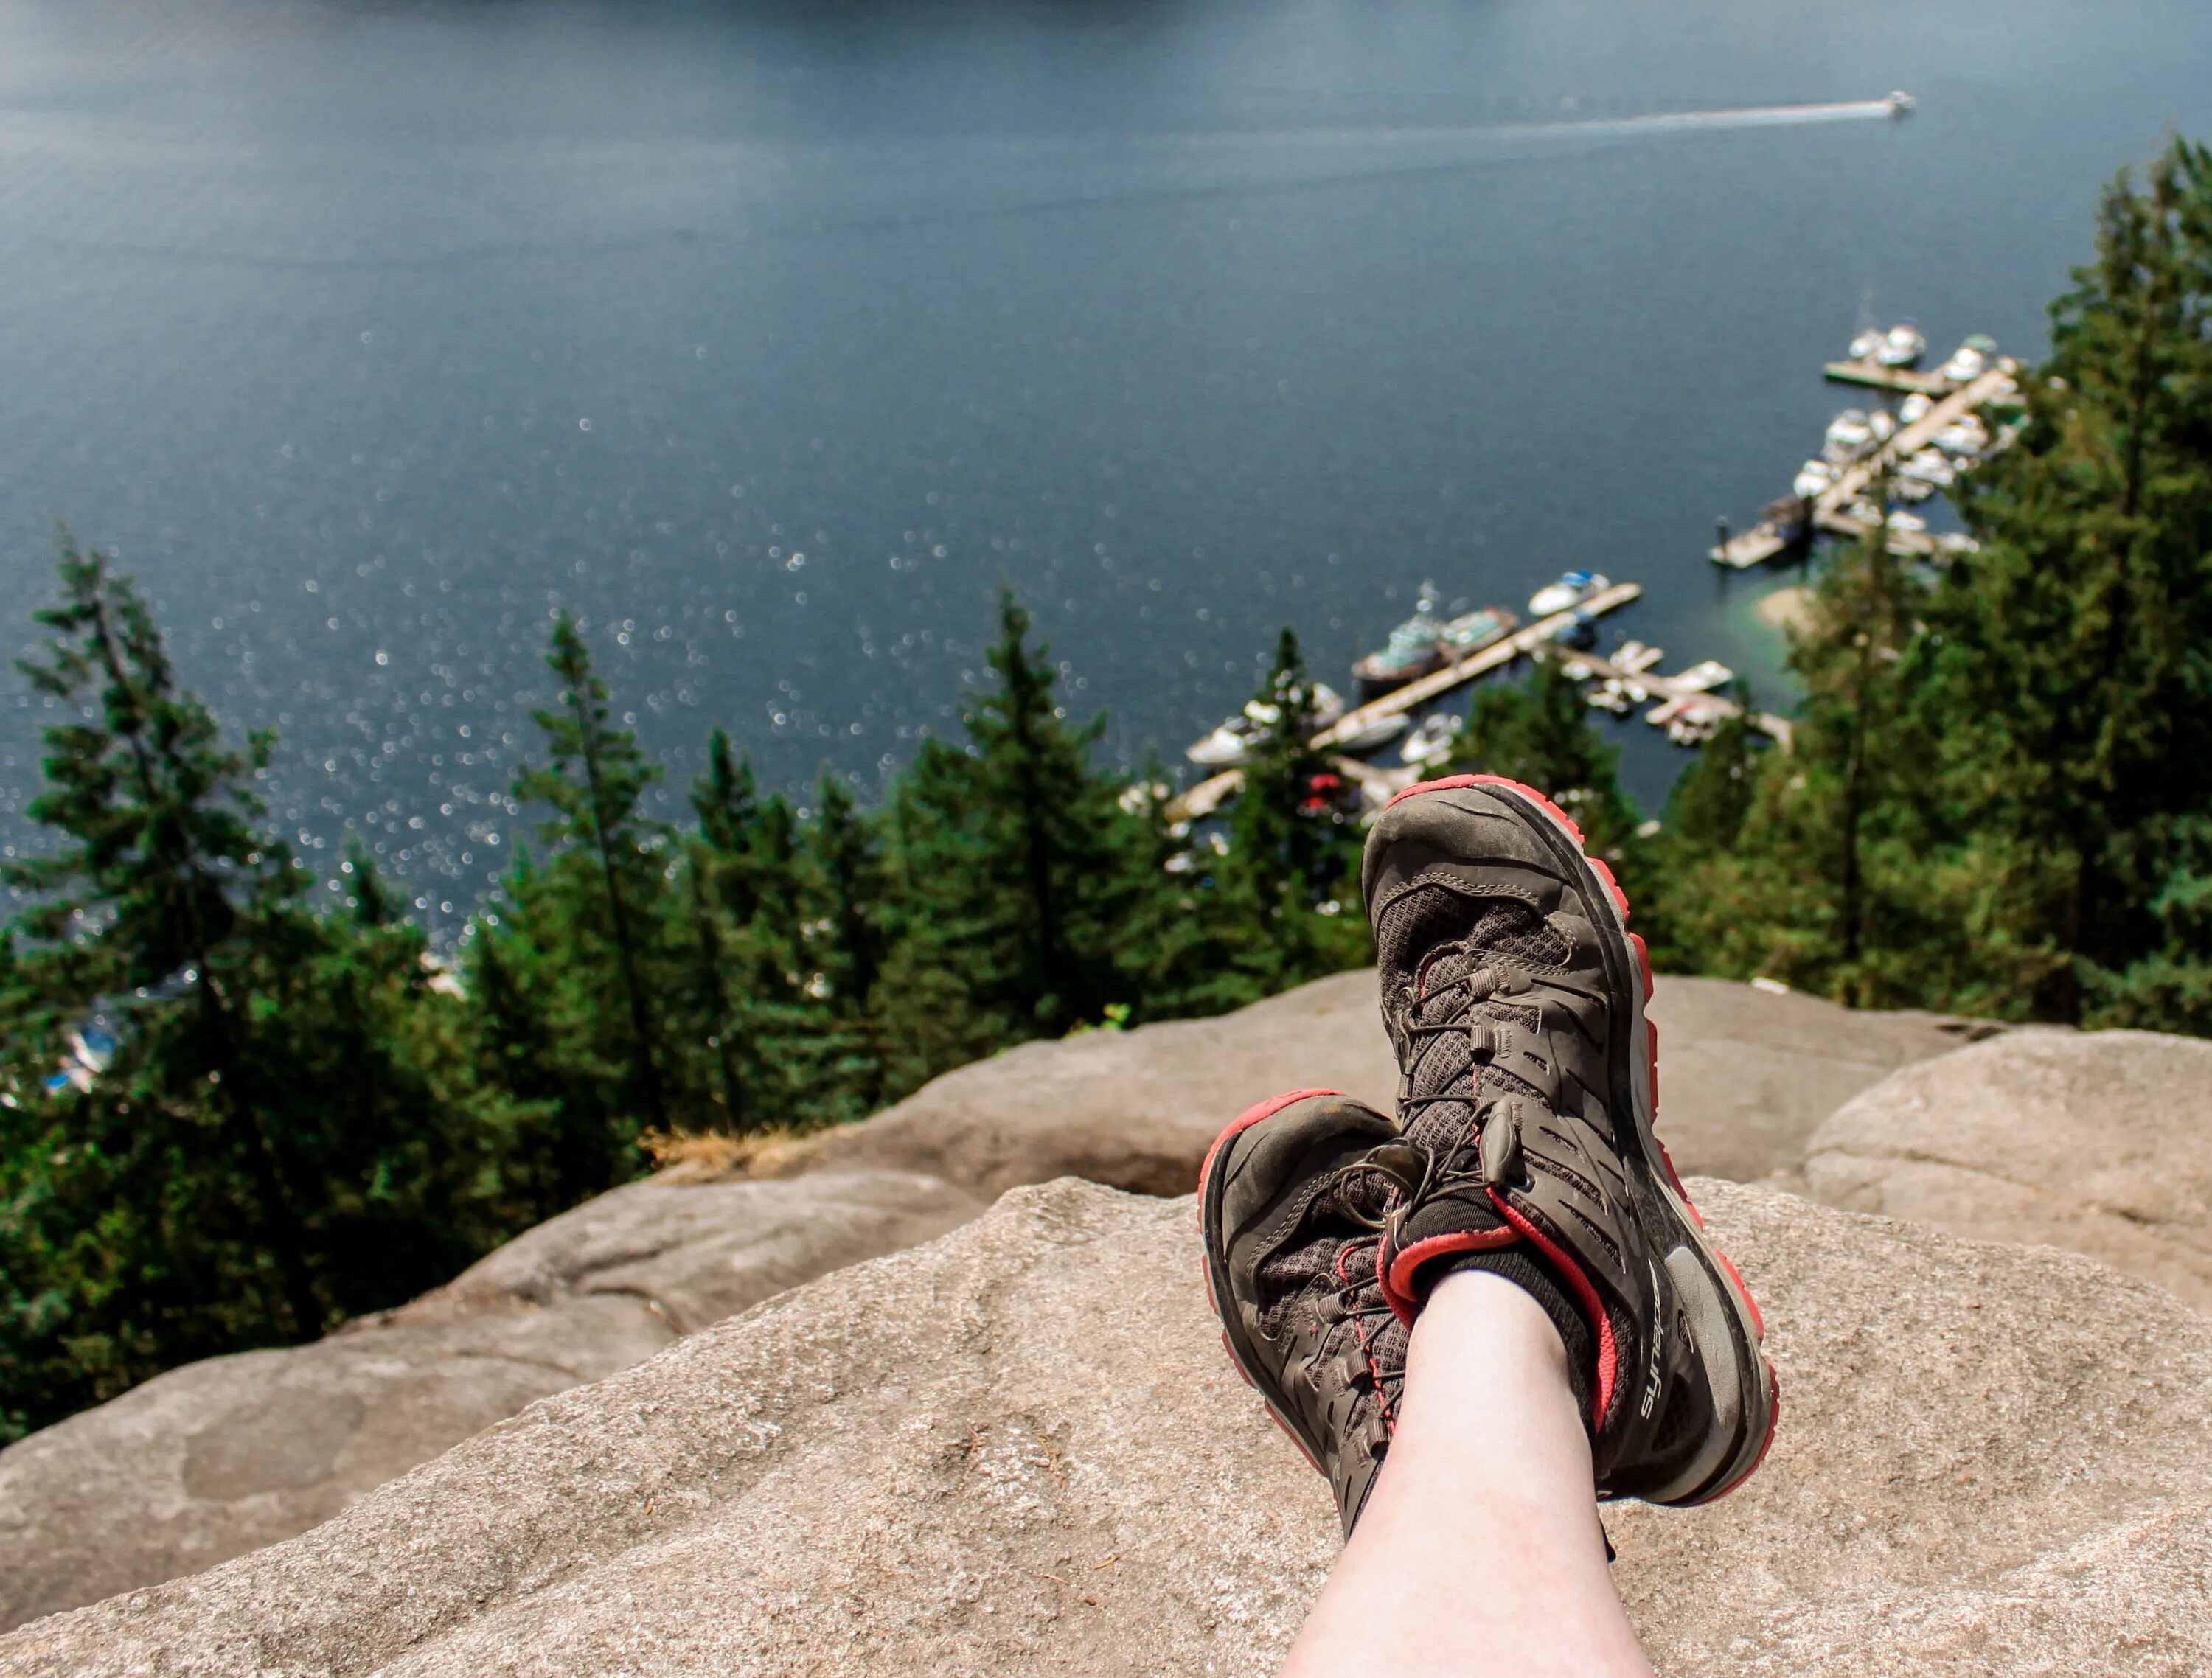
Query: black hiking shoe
x=1291 y=1219
x=1514 y=992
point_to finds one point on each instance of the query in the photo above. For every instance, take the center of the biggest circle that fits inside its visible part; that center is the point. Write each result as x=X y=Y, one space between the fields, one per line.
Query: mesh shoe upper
x=1290 y=1217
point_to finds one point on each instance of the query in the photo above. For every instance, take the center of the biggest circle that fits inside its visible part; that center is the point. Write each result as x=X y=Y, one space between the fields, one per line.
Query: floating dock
x=1210 y=793
x=1763 y=542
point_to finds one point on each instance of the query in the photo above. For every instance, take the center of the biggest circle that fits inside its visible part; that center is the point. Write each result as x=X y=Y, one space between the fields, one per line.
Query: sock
x=1535 y=1277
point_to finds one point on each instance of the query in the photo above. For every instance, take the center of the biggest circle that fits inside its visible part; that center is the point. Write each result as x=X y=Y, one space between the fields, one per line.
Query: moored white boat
x=1572 y=588
x=1902 y=345
x=1813 y=480
x=1431 y=740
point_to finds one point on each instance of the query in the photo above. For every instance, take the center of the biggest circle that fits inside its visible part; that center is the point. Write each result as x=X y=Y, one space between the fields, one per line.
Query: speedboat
x=1902 y=345
x=1415 y=647
x=1572 y=588
x=1915 y=408
x=1232 y=742
x=1376 y=731
x=1472 y=631
x=1432 y=739
x=1813 y=480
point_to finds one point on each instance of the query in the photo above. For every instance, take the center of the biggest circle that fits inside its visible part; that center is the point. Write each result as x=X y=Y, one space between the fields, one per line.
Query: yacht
x=1472 y=631
x=1415 y=647
x=1882 y=423
x=1572 y=588
x=1911 y=523
x=1914 y=489
x=1902 y=345
x=1865 y=344
x=1432 y=741
x=1915 y=408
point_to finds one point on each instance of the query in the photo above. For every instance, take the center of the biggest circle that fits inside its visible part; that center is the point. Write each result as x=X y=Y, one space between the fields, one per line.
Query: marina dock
x=1210 y=793
x=1763 y=542
x=1903 y=379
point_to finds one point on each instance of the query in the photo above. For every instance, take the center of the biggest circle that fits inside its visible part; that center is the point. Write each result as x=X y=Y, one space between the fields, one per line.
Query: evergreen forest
x=234 y=1113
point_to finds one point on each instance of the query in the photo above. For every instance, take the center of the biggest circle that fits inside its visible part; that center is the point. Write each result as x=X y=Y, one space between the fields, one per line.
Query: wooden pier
x=1763 y=542
x=1210 y=793
x=1909 y=380
x=1666 y=687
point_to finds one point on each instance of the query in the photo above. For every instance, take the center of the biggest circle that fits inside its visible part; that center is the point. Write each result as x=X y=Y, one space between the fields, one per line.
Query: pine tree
x=282 y=1131
x=2076 y=679
x=1291 y=879
x=594 y=786
x=1011 y=865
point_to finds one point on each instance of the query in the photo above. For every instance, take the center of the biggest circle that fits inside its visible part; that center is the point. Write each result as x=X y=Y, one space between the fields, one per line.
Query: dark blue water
x=770 y=339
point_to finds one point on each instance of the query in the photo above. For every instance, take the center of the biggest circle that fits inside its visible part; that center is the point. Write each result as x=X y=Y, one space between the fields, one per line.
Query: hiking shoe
x=1291 y=1216
x=1514 y=992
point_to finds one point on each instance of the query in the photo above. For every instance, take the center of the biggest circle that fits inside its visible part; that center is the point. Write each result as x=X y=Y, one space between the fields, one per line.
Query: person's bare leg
x=1479 y=1551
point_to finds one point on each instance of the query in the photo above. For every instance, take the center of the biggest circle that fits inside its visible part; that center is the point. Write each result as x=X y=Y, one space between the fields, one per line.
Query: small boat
x=1911 y=523
x=1865 y=344
x=1471 y=632
x=1901 y=103
x=1931 y=467
x=1902 y=345
x=1415 y=648
x=1432 y=741
x=1915 y=408
x=1813 y=480
x=1580 y=629
x=1703 y=676
x=1966 y=435
x=1572 y=588
x=1616 y=696
x=1914 y=489
x=1861 y=512
x=1882 y=423
x=1232 y=742
x=1966 y=364
x=1848 y=434
x=1957 y=543
x=1377 y=731
x=1636 y=658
